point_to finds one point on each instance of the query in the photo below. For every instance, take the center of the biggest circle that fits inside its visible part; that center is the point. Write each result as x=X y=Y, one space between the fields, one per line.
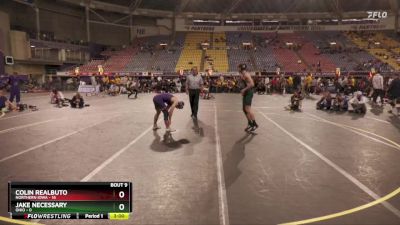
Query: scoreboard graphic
x=70 y=200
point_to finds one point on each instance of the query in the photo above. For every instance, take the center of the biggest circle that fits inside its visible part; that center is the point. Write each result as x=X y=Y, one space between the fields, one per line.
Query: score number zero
x=121 y=194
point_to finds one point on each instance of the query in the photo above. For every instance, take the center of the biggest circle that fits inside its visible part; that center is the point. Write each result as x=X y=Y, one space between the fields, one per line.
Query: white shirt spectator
x=377 y=82
x=266 y=81
x=358 y=99
x=390 y=81
x=54 y=97
x=355 y=100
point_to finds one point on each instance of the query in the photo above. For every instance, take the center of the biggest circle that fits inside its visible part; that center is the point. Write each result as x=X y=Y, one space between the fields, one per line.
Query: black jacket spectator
x=394 y=88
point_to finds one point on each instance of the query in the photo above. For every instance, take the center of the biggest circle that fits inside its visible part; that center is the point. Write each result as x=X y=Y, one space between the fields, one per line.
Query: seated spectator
x=357 y=104
x=325 y=102
x=295 y=101
x=113 y=90
x=261 y=87
x=77 y=101
x=57 y=97
x=340 y=103
x=5 y=104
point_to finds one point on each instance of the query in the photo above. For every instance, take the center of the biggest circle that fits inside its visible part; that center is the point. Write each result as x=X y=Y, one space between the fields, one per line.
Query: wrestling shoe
x=156 y=127
x=247 y=129
x=254 y=127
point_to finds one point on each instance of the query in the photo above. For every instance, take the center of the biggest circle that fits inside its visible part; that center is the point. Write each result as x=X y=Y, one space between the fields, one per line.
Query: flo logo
x=377 y=14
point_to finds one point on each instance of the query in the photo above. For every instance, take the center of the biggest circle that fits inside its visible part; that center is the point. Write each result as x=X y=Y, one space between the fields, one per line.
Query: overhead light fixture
x=32 y=46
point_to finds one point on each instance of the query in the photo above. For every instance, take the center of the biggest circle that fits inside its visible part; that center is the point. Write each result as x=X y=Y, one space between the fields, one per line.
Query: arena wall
x=20 y=48
x=5 y=32
x=26 y=69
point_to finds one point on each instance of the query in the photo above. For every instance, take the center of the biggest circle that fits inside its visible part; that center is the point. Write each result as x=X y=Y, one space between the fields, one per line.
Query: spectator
x=77 y=101
x=267 y=84
x=15 y=90
x=325 y=102
x=105 y=84
x=394 y=94
x=5 y=104
x=178 y=85
x=295 y=101
x=340 y=102
x=133 y=87
x=297 y=82
x=57 y=97
x=377 y=85
x=358 y=103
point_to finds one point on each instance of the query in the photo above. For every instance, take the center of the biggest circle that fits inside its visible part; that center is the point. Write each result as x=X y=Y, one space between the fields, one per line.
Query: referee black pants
x=194 y=95
x=376 y=93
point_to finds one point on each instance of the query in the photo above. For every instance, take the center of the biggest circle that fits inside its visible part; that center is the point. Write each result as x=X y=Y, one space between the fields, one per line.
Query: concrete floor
x=299 y=165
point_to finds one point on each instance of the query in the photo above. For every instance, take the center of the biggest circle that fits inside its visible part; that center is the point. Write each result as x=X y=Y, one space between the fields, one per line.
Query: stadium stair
x=303 y=60
x=191 y=54
x=217 y=55
x=203 y=60
x=154 y=60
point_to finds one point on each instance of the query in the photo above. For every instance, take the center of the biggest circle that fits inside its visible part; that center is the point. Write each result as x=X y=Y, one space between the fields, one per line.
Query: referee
x=194 y=83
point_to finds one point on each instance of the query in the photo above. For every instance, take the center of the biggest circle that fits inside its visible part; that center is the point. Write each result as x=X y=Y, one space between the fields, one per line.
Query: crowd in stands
x=297 y=52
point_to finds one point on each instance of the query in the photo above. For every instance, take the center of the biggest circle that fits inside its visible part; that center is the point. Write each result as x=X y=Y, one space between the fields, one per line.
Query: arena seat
x=91 y=66
x=119 y=61
x=191 y=53
x=368 y=41
x=140 y=61
x=238 y=56
x=236 y=52
x=288 y=59
x=265 y=58
x=236 y=39
x=167 y=60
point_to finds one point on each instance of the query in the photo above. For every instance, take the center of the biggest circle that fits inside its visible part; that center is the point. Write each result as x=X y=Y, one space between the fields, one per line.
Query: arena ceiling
x=228 y=9
x=258 y=6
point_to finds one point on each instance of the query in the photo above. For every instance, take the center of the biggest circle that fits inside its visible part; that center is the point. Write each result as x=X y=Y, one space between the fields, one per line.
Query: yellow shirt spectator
x=290 y=81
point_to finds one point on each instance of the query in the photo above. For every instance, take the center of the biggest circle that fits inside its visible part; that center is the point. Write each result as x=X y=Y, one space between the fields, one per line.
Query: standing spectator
x=194 y=83
x=394 y=94
x=297 y=82
x=178 y=85
x=267 y=84
x=105 y=83
x=15 y=90
x=377 y=85
x=133 y=87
